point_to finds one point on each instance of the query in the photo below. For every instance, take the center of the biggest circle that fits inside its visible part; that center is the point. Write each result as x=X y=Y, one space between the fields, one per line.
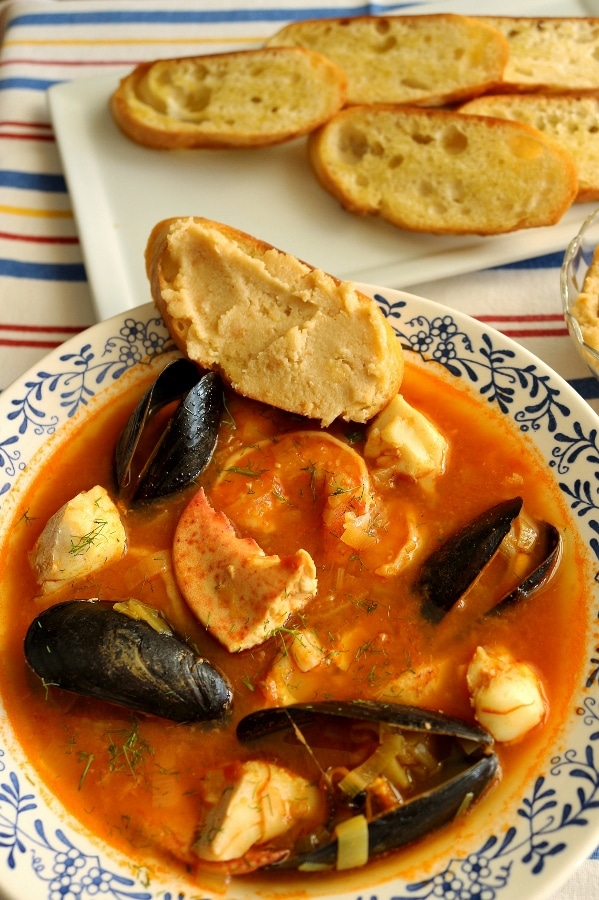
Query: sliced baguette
x=250 y=98
x=443 y=172
x=422 y=60
x=549 y=54
x=277 y=329
x=571 y=120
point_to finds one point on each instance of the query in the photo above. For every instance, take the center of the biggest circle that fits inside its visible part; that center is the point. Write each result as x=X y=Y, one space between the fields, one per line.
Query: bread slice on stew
x=422 y=60
x=277 y=329
x=570 y=119
x=554 y=53
x=249 y=98
x=443 y=172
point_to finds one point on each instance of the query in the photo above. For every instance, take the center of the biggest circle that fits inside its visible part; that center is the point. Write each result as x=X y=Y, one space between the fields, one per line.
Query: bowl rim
x=442 y=317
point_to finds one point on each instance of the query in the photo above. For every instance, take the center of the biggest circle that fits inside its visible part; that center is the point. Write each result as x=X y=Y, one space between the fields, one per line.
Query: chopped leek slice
x=359 y=778
x=135 y=609
x=352 y=843
x=314 y=867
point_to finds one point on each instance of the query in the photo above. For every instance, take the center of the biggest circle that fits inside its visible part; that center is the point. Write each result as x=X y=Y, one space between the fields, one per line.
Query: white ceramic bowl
x=577 y=259
x=531 y=847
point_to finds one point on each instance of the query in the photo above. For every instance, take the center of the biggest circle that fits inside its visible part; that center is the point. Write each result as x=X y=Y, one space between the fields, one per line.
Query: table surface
x=45 y=295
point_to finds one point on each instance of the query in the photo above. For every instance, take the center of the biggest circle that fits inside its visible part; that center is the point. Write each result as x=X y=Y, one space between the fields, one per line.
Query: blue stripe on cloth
x=14 y=268
x=548 y=261
x=33 y=181
x=28 y=84
x=588 y=388
x=186 y=16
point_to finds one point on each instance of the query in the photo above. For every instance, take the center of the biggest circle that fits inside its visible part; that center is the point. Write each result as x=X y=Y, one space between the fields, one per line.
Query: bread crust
x=551 y=53
x=277 y=329
x=423 y=60
x=572 y=120
x=443 y=172
x=247 y=98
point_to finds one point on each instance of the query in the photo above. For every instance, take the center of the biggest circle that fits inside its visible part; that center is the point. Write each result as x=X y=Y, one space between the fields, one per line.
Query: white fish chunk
x=81 y=538
x=403 y=440
x=265 y=801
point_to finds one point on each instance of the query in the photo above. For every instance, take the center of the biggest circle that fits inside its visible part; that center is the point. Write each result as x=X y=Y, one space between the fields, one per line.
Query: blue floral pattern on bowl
x=558 y=817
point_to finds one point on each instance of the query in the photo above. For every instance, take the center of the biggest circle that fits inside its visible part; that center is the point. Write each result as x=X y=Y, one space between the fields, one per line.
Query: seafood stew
x=359 y=635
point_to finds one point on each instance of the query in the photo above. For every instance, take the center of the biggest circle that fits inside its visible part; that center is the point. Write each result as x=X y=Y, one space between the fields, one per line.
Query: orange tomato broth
x=137 y=781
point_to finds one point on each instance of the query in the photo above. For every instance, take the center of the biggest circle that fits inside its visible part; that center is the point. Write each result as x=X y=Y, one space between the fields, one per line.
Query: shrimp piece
x=507 y=695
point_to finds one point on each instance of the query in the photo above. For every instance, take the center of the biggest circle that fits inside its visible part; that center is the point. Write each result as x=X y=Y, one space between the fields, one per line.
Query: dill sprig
x=249 y=471
x=82 y=543
x=127 y=750
x=311 y=470
x=87 y=759
x=27 y=518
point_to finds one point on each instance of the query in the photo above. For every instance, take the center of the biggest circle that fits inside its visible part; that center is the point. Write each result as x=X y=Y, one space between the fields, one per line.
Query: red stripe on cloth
x=544 y=317
x=16 y=123
x=547 y=324
x=37 y=238
x=18 y=136
x=534 y=332
x=24 y=124
x=25 y=340
x=46 y=345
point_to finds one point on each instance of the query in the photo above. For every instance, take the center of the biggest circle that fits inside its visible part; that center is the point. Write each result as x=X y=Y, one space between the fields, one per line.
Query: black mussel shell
x=411 y=821
x=409 y=718
x=449 y=571
x=415 y=818
x=87 y=647
x=187 y=443
x=539 y=577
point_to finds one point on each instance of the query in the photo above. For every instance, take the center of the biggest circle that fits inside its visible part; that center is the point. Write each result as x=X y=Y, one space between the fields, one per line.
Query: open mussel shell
x=449 y=571
x=418 y=816
x=539 y=577
x=187 y=443
x=87 y=647
x=409 y=718
x=410 y=822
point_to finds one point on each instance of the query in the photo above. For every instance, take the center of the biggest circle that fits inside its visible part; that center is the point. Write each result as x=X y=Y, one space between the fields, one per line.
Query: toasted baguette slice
x=277 y=329
x=441 y=171
x=549 y=54
x=421 y=60
x=571 y=120
x=249 y=98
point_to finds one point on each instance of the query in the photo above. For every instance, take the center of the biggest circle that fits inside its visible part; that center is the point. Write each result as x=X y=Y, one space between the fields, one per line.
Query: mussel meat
x=186 y=444
x=90 y=648
x=471 y=766
x=455 y=566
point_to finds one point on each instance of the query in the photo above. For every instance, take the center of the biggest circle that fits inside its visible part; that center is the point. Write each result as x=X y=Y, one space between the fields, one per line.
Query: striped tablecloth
x=44 y=295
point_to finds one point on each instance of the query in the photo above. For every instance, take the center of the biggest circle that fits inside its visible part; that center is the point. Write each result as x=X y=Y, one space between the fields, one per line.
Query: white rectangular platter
x=120 y=190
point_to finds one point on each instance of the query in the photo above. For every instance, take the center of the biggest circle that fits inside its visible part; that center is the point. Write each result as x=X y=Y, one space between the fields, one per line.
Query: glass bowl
x=577 y=260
